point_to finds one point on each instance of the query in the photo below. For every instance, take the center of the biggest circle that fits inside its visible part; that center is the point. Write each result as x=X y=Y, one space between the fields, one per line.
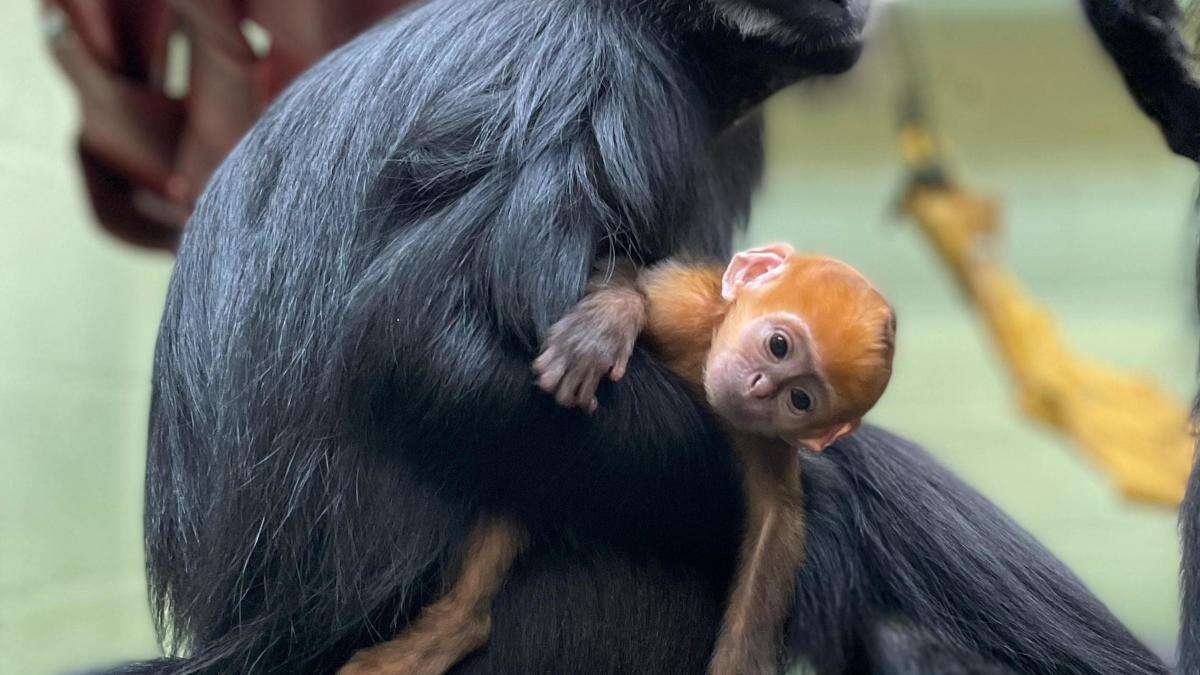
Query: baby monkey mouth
x=742 y=410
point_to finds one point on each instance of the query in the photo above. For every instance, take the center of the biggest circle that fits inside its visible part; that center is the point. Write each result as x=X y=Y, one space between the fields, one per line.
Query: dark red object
x=146 y=154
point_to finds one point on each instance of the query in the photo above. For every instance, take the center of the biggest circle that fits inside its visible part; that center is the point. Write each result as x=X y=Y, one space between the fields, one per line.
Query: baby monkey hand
x=592 y=341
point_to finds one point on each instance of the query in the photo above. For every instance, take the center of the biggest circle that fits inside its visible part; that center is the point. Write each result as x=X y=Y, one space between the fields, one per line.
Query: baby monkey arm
x=595 y=339
x=772 y=550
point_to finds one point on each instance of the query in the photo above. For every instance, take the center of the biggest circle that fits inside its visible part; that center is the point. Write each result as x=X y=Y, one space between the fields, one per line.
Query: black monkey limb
x=1189 y=530
x=599 y=146
x=1144 y=39
x=342 y=374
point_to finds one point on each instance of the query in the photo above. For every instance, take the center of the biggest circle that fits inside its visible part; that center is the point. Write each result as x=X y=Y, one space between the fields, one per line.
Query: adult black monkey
x=1147 y=42
x=342 y=373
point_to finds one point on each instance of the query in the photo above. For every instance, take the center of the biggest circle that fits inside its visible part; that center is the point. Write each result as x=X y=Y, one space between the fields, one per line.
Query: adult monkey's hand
x=147 y=152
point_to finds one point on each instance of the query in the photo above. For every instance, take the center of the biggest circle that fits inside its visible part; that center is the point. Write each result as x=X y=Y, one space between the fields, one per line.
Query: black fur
x=342 y=376
x=1146 y=41
x=1189 y=530
x=909 y=570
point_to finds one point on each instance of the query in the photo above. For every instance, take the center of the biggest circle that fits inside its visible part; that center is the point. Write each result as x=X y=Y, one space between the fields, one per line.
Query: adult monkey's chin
x=819 y=14
x=808 y=36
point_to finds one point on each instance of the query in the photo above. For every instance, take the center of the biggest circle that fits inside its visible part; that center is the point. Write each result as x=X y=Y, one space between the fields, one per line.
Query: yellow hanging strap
x=1129 y=427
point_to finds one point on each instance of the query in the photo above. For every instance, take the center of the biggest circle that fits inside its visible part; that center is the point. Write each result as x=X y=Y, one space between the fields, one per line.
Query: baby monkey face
x=767 y=379
x=804 y=348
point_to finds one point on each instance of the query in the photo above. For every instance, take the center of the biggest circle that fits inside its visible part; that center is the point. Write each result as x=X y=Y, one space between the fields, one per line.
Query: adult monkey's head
x=752 y=48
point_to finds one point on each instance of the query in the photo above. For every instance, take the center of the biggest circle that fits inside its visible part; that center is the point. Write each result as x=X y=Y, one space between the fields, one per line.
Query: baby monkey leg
x=461 y=621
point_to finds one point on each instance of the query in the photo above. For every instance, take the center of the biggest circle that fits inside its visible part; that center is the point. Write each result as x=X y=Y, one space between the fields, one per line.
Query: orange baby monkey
x=789 y=351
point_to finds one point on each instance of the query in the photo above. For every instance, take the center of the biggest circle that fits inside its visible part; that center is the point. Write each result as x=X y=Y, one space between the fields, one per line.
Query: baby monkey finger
x=586 y=394
x=621 y=363
x=550 y=372
x=568 y=388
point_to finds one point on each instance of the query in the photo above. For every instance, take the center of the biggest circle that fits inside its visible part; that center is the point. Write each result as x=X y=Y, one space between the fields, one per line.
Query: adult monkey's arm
x=1145 y=40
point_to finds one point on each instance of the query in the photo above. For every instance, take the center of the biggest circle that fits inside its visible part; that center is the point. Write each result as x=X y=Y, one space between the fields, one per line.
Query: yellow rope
x=1133 y=431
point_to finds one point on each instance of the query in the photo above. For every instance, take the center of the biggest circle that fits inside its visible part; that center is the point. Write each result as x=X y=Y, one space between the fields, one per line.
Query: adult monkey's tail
x=1147 y=40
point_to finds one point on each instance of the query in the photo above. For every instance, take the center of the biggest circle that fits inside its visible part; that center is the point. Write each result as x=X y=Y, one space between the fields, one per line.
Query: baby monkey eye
x=801 y=400
x=778 y=345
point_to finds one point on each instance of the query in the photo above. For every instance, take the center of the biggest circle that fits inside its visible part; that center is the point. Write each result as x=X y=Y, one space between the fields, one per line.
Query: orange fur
x=458 y=623
x=851 y=323
x=684 y=309
x=685 y=317
x=853 y=330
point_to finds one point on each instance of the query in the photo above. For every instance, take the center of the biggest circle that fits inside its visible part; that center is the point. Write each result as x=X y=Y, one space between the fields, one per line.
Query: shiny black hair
x=342 y=378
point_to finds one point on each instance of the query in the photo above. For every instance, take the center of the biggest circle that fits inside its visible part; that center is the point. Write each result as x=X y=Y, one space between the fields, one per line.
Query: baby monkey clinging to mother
x=790 y=351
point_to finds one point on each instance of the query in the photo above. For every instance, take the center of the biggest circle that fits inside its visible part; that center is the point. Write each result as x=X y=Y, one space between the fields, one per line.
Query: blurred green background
x=1097 y=227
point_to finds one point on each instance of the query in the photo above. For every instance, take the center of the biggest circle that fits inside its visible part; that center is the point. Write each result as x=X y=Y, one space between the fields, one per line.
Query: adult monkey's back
x=343 y=369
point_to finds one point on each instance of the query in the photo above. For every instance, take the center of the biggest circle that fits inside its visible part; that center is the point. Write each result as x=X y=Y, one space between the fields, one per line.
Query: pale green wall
x=77 y=322
x=1097 y=217
x=992 y=8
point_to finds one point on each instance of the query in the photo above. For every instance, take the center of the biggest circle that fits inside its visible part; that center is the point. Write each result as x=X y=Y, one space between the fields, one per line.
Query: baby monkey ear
x=754 y=267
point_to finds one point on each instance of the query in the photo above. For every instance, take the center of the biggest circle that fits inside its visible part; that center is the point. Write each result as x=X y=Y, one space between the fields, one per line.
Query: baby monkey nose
x=760 y=386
